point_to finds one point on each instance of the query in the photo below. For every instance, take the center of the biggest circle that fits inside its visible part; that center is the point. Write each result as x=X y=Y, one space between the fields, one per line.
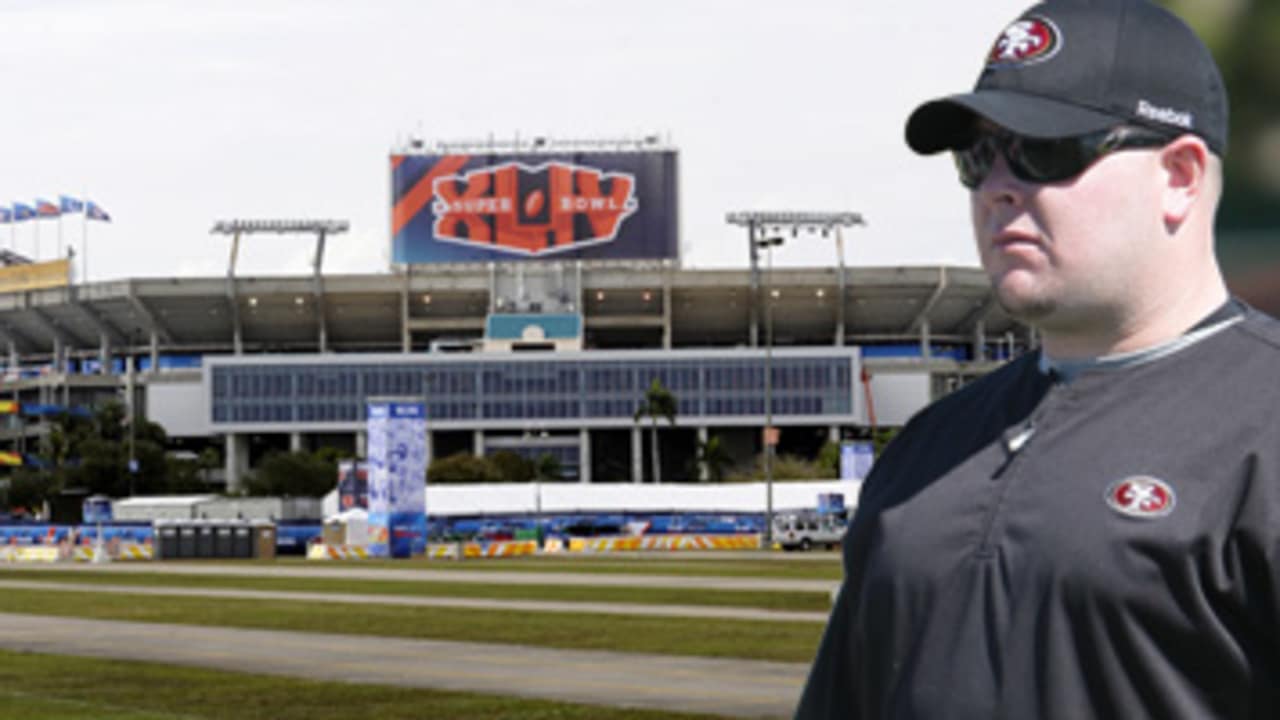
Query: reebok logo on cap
x=1032 y=39
x=1168 y=116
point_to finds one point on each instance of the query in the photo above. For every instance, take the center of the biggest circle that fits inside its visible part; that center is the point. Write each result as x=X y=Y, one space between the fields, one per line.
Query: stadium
x=536 y=332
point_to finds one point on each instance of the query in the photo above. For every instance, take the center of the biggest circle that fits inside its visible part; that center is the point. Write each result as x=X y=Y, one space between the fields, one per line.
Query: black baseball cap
x=1072 y=67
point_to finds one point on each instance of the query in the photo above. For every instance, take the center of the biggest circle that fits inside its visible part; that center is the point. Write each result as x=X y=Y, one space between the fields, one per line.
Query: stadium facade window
x=566 y=389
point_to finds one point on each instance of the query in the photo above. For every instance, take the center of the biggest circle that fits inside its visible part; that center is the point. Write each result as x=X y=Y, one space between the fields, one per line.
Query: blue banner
x=856 y=458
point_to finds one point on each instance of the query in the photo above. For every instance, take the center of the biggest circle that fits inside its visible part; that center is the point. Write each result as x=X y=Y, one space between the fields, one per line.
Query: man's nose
x=1000 y=186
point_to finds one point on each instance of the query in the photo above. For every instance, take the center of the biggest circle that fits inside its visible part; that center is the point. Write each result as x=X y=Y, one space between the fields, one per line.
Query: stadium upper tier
x=622 y=304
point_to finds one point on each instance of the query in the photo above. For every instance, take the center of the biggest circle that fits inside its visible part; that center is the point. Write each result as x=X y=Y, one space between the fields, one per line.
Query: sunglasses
x=1047 y=161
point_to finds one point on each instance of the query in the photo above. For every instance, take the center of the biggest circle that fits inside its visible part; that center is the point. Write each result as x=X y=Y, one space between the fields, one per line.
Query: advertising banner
x=505 y=207
x=353 y=485
x=397 y=467
x=34 y=276
x=856 y=458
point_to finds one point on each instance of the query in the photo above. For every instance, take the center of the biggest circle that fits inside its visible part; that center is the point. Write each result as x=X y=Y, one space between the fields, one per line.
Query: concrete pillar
x=130 y=388
x=477 y=443
x=104 y=354
x=295 y=442
x=406 y=339
x=666 y=310
x=926 y=343
x=431 y=448
x=584 y=455
x=703 y=471
x=833 y=434
x=237 y=460
x=979 y=341
x=637 y=455
x=362 y=443
x=155 y=352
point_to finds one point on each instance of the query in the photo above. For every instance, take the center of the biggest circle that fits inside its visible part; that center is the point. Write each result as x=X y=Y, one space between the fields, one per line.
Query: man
x=1091 y=531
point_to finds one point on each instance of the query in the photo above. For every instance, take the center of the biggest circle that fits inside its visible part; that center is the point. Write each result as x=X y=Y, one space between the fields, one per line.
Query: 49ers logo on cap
x=1141 y=497
x=1030 y=40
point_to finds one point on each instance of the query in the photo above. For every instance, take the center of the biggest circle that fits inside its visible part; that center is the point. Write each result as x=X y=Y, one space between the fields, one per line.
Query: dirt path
x=734 y=688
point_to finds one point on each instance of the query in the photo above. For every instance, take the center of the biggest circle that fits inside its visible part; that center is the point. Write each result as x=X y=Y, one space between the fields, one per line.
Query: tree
x=28 y=489
x=547 y=468
x=712 y=459
x=828 y=462
x=209 y=460
x=511 y=467
x=658 y=403
x=462 y=467
x=293 y=474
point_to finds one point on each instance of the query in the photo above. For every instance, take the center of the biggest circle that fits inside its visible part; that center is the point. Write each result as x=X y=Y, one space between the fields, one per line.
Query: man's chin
x=1026 y=308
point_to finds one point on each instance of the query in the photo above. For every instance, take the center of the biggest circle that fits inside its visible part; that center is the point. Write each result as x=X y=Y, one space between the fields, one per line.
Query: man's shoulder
x=992 y=385
x=990 y=390
x=1261 y=328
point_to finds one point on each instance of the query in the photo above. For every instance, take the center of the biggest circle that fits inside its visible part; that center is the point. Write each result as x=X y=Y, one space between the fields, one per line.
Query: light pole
x=810 y=222
x=770 y=438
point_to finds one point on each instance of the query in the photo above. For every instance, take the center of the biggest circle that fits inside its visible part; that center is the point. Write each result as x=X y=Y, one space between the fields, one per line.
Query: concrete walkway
x=733 y=688
x=556 y=606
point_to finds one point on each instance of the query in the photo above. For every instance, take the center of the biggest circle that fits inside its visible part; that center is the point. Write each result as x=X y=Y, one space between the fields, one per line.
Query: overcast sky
x=172 y=115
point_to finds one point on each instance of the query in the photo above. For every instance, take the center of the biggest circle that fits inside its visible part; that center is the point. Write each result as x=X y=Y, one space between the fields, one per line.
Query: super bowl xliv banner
x=513 y=207
x=397 y=464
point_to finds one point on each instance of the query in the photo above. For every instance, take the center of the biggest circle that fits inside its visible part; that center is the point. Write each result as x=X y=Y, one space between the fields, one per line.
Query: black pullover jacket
x=1103 y=548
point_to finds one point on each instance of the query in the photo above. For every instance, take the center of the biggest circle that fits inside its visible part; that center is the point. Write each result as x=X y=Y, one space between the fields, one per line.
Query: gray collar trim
x=1068 y=370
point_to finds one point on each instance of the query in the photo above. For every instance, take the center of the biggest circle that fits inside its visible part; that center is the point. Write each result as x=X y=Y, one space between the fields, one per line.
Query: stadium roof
x=623 y=305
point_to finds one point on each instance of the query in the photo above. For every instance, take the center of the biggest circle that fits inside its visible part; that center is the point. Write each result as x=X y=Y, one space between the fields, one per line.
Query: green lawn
x=816 y=565
x=772 y=600
x=46 y=687
x=762 y=640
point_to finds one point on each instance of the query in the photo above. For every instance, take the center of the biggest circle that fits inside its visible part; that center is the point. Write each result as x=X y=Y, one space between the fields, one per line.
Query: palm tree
x=658 y=403
x=713 y=458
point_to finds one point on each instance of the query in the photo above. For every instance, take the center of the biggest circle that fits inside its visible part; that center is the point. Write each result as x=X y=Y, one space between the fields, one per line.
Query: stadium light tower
x=764 y=231
x=236 y=228
x=775 y=223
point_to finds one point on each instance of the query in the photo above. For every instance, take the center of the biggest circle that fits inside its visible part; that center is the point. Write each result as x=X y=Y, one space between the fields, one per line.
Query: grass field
x=47 y=687
x=771 y=600
x=755 y=640
x=817 y=565
x=97 y=693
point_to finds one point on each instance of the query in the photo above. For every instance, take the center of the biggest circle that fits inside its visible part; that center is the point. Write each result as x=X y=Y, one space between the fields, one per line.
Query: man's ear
x=1185 y=162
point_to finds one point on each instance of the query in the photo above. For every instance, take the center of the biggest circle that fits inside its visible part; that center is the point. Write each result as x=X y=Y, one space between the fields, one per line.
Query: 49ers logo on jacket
x=1030 y=40
x=1141 y=497
x=518 y=209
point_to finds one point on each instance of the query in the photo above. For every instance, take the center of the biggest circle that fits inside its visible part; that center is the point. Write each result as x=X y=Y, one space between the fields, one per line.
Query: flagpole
x=36 y=221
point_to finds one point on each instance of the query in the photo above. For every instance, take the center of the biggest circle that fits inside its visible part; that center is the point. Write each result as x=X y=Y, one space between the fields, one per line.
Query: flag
x=44 y=208
x=22 y=212
x=70 y=204
x=6 y=215
x=95 y=212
